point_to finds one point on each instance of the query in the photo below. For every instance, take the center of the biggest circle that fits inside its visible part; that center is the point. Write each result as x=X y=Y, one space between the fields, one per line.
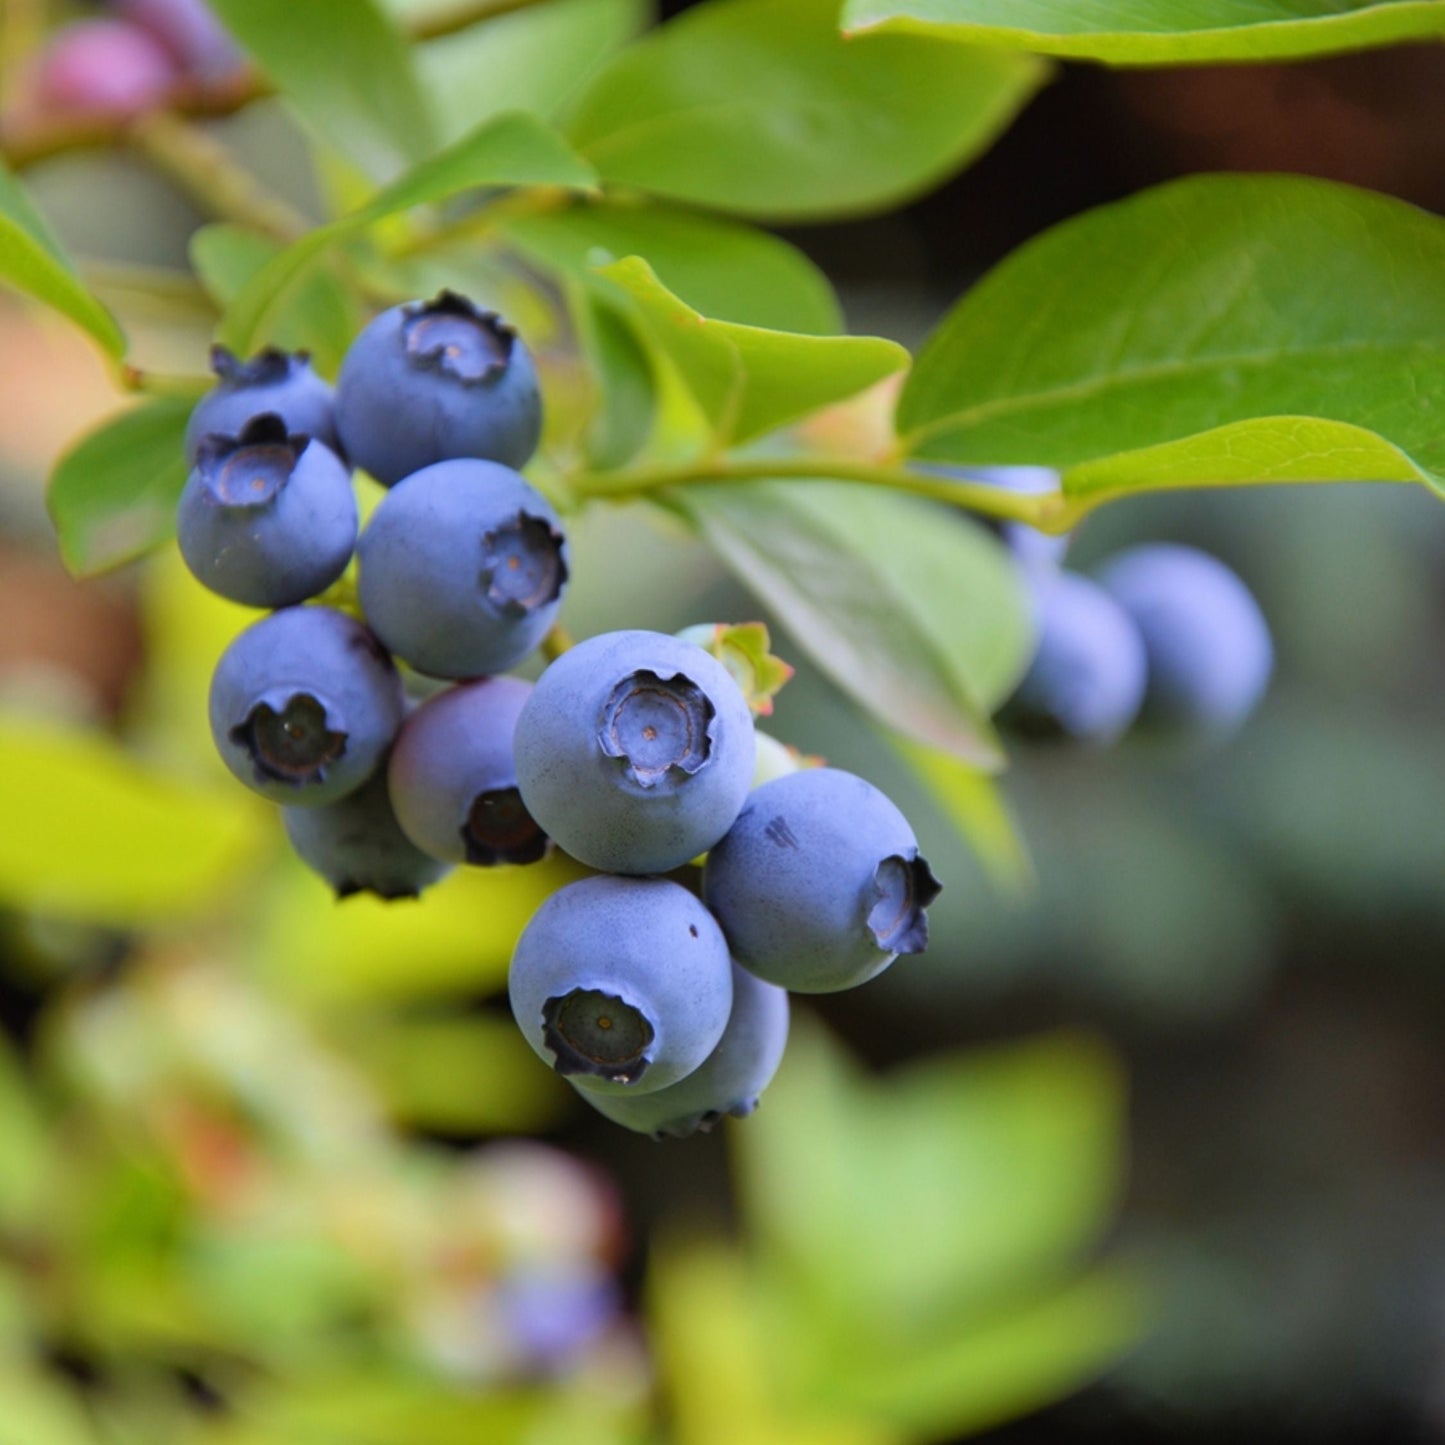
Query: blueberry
x=304 y=704
x=462 y=568
x=1086 y=680
x=266 y=519
x=453 y=783
x=191 y=33
x=552 y=1316
x=272 y=381
x=622 y=984
x=818 y=886
x=1207 y=643
x=727 y=1082
x=358 y=847
x=106 y=68
x=429 y=381
x=635 y=751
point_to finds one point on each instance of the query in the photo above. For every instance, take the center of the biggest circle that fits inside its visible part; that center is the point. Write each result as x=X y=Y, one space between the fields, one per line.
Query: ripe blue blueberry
x=635 y=751
x=819 y=886
x=729 y=1081
x=622 y=984
x=271 y=381
x=453 y=783
x=266 y=519
x=428 y=381
x=304 y=704
x=1207 y=643
x=462 y=568
x=356 y=845
x=1086 y=680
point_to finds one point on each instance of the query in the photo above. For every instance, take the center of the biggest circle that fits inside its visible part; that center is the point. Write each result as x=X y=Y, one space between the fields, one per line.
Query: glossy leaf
x=31 y=261
x=512 y=149
x=535 y=59
x=1182 y=311
x=345 y=69
x=95 y=835
x=746 y=379
x=916 y=615
x=1158 y=32
x=625 y=398
x=726 y=270
x=761 y=107
x=113 y=495
x=320 y=315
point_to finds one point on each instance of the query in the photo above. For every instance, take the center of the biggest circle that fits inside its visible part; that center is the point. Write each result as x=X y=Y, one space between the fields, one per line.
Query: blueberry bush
x=495 y=387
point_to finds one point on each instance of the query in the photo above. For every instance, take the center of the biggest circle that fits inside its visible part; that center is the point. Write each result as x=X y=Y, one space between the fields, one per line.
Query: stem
x=1049 y=512
x=211 y=176
x=28 y=138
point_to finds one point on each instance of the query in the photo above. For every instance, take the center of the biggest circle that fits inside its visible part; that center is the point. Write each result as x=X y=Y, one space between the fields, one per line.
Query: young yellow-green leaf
x=534 y=59
x=344 y=67
x=726 y=270
x=1195 y=306
x=763 y=108
x=95 y=835
x=320 y=315
x=508 y=150
x=1271 y=450
x=1158 y=32
x=916 y=614
x=746 y=379
x=113 y=495
x=31 y=261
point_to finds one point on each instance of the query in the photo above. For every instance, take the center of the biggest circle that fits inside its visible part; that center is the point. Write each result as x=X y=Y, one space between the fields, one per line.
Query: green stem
x=212 y=176
x=1050 y=512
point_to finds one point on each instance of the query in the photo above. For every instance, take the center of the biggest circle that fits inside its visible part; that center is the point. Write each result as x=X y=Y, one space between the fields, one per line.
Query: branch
x=28 y=139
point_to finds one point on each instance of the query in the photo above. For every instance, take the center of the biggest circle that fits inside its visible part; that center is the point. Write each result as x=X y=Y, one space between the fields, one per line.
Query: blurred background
x=1151 y=1149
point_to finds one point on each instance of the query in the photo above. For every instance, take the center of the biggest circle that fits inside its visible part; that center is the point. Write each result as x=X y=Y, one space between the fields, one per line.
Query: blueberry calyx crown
x=522 y=565
x=499 y=829
x=266 y=368
x=454 y=336
x=597 y=1033
x=902 y=890
x=250 y=470
x=654 y=724
x=290 y=743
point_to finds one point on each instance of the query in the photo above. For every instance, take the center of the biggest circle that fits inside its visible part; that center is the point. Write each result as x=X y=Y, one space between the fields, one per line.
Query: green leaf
x=918 y=615
x=973 y=802
x=618 y=364
x=1007 y=1166
x=510 y=150
x=344 y=67
x=761 y=107
x=748 y=380
x=535 y=59
x=93 y=834
x=1190 y=308
x=113 y=495
x=962 y=1380
x=1271 y=450
x=31 y=260
x=1158 y=32
x=724 y=270
x=320 y=315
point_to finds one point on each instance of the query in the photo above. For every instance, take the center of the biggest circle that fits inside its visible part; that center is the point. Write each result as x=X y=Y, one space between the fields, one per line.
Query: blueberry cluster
x=658 y=991
x=1161 y=636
